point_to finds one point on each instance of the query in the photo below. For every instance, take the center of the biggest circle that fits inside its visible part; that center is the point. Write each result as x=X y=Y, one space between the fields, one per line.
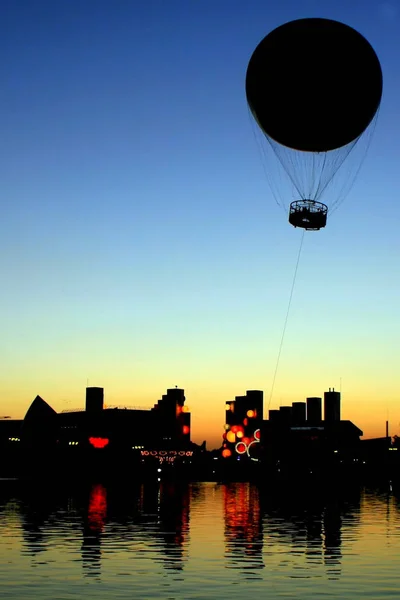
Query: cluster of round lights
x=243 y=447
x=236 y=434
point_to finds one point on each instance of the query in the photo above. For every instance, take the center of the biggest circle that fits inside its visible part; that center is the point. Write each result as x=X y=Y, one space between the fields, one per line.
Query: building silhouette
x=243 y=421
x=294 y=438
x=98 y=438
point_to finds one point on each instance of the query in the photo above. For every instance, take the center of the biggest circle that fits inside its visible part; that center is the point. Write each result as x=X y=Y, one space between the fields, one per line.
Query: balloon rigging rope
x=286 y=319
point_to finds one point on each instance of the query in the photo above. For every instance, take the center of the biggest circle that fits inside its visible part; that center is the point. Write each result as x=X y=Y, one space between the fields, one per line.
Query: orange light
x=98 y=442
x=226 y=452
x=251 y=414
x=240 y=434
x=185 y=409
x=227 y=427
x=231 y=437
x=227 y=406
x=186 y=429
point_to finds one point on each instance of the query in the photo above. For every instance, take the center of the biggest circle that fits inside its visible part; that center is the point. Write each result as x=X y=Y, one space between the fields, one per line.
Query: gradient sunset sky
x=141 y=247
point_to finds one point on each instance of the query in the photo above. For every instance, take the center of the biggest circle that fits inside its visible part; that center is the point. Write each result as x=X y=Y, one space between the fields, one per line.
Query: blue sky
x=140 y=244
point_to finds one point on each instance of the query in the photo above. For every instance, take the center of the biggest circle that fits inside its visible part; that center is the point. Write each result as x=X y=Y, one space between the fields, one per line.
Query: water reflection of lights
x=97 y=509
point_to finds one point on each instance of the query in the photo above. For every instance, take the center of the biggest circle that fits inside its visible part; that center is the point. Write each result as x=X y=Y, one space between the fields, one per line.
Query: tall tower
x=243 y=421
x=298 y=413
x=331 y=405
x=314 y=410
x=94 y=400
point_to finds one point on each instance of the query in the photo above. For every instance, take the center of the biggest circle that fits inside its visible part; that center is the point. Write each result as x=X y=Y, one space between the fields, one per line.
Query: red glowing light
x=257 y=434
x=236 y=428
x=241 y=448
x=186 y=429
x=98 y=442
x=246 y=441
x=245 y=421
x=226 y=452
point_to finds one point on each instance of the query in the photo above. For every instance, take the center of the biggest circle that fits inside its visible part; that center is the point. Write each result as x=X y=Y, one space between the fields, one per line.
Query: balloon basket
x=308 y=214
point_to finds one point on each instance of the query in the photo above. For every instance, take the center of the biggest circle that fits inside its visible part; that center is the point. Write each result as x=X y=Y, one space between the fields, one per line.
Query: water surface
x=196 y=541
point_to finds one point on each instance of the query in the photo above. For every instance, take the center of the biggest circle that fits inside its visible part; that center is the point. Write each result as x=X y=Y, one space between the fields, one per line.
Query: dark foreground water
x=197 y=541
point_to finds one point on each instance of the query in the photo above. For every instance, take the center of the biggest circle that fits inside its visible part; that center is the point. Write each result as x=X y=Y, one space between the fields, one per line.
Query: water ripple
x=196 y=541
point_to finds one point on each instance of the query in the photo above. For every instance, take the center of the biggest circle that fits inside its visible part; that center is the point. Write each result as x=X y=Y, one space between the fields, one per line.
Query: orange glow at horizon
x=367 y=404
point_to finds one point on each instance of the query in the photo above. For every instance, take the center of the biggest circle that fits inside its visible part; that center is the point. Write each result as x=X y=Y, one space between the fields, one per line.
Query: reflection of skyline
x=243 y=526
x=93 y=527
x=295 y=531
x=159 y=515
x=310 y=522
x=146 y=517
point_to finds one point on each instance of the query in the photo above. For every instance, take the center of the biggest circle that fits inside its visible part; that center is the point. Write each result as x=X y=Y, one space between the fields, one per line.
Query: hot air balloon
x=314 y=87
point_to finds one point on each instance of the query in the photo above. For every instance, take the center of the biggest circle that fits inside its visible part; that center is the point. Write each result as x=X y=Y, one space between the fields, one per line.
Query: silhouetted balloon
x=314 y=84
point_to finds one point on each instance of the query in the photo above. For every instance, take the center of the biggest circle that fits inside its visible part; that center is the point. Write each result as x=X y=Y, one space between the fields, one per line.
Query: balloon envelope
x=314 y=84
